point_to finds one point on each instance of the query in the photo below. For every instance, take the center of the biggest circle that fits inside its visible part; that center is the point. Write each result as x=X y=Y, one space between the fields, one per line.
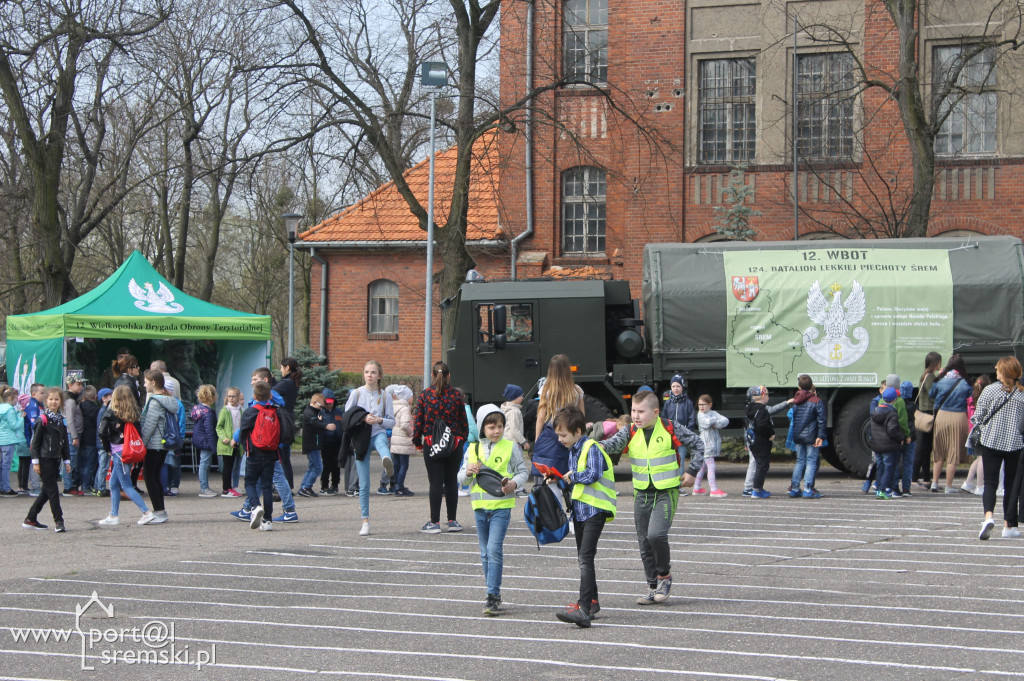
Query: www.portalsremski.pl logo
x=154 y=642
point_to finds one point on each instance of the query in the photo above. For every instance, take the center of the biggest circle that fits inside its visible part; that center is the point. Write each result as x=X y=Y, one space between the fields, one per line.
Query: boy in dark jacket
x=330 y=444
x=808 y=433
x=759 y=425
x=259 y=464
x=886 y=440
x=49 y=448
x=909 y=450
x=87 y=457
x=313 y=428
x=678 y=405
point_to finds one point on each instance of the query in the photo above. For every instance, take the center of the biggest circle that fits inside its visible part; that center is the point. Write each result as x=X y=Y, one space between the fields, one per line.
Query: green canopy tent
x=138 y=308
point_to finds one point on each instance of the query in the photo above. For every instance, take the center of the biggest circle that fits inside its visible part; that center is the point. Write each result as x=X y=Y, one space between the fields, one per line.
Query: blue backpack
x=545 y=516
x=172 y=432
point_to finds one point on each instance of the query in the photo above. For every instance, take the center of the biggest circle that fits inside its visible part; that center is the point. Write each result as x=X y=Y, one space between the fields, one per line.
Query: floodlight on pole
x=291 y=225
x=433 y=76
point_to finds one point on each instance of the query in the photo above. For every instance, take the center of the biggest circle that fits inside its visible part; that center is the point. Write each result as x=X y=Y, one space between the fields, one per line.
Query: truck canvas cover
x=847 y=312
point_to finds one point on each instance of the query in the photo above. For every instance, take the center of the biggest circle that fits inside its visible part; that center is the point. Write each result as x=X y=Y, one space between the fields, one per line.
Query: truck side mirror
x=500 y=320
x=499 y=341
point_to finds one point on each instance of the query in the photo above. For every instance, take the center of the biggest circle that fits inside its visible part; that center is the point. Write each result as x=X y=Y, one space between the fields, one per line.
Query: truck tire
x=829 y=455
x=851 y=434
x=595 y=410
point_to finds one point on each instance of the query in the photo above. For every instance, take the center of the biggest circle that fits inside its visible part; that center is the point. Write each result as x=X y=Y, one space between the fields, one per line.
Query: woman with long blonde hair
x=558 y=392
x=998 y=415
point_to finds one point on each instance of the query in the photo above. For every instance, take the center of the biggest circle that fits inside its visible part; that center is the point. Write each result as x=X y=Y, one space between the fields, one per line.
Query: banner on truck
x=845 y=316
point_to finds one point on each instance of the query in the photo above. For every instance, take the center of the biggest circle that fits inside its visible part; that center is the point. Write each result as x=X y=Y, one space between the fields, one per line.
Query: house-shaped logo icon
x=106 y=610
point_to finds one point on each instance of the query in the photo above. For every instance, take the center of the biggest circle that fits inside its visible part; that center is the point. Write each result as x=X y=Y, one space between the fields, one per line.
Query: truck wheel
x=851 y=434
x=595 y=410
x=829 y=455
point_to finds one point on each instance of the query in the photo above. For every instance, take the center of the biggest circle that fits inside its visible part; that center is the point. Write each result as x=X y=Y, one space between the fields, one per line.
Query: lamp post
x=291 y=225
x=433 y=77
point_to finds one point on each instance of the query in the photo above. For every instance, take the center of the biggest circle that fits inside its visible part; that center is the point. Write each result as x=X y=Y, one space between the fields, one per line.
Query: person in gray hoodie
x=158 y=408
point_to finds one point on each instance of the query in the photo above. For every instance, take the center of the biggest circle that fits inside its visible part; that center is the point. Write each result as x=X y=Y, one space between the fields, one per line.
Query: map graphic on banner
x=845 y=316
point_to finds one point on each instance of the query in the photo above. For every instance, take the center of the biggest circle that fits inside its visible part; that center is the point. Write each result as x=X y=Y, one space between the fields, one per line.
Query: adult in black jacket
x=288 y=389
x=87 y=454
x=126 y=368
x=808 y=434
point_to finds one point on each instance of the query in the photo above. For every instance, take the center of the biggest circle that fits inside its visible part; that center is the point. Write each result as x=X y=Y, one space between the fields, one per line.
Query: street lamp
x=291 y=225
x=433 y=77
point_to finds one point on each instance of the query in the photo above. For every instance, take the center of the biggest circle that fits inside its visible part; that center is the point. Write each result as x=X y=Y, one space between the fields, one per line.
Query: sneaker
x=951 y=490
x=463 y=491
x=364 y=531
x=174 y=491
x=748 y=492
x=760 y=494
x=717 y=493
x=110 y=520
x=811 y=494
x=146 y=518
x=389 y=466
x=383 y=491
x=882 y=494
x=491 y=605
x=664 y=587
x=226 y=493
x=33 y=525
x=574 y=614
x=1010 y=533
x=595 y=608
x=934 y=489
x=648 y=599
x=793 y=492
x=968 y=488
x=305 y=492
x=242 y=515
x=96 y=493
x=333 y=489
x=683 y=492
x=522 y=493
x=908 y=494
x=59 y=528
x=161 y=517
x=699 y=490
x=287 y=517
x=266 y=526
x=255 y=517
x=401 y=493
x=894 y=494
x=75 y=493
x=986 y=529
x=208 y=494
x=351 y=492
x=980 y=490
x=431 y=528
x=325 y=491
x=454 y=526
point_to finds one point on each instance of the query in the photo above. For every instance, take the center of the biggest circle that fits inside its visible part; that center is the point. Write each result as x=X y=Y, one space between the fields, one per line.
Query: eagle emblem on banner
x=160 y=301
x=836 y=349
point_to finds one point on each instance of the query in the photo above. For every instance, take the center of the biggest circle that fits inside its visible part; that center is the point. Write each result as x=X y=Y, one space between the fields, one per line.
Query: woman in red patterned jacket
x=441 y=401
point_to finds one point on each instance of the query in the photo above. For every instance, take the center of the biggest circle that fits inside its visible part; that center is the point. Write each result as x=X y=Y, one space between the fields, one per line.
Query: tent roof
x=137 y=302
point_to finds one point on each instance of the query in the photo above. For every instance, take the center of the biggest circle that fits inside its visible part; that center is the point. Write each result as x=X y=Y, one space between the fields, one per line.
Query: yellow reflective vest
x=601 y=493
x=498 y=460
x=655 y=463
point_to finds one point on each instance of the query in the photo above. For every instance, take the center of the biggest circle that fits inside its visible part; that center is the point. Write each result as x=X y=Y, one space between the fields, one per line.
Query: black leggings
x=992 y=460
x=443 y=475
x=24 y=468
x=151 y=466
x=923 y=456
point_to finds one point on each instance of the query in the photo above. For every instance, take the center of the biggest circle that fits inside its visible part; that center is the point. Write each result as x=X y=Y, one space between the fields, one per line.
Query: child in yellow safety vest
x=593 y=504
x=493 y=513
x=654 y=445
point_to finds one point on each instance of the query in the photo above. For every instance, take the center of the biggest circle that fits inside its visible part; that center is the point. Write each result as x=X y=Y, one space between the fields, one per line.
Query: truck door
x=518 y=362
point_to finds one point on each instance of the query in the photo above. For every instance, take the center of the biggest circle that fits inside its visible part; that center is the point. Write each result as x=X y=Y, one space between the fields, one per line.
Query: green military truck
x=729 y=315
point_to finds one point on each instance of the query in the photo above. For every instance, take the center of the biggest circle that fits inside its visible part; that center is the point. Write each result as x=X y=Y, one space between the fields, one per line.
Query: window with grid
x=583 y=210
x=725 y=101
x=585 y=40
x=825 y=96
x=970 y=127
x=383 y=295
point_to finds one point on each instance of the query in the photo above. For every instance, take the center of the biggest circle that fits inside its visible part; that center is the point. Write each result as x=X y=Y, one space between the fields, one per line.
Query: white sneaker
x=266 y=526
x=255 y=517
x=364 y=530
x=174 y=491
x=110 y=520
x=952 y=490
x=979 y=490
x=208 y=494
x=986 y=529
x=463 y=492
x=160 y=517
x=967 y=487
x=1011 y=532
x=147 y=518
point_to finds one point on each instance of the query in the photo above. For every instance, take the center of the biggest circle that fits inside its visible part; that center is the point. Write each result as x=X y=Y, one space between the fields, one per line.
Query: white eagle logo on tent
x=836 y=349
x=148 y=300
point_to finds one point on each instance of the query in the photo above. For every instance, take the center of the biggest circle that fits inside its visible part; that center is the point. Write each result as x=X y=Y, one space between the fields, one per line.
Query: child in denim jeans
x=204 y=436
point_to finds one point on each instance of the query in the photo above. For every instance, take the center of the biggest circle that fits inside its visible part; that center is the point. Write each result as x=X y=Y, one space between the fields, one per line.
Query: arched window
x=383 y=297
x=585 y=40
x=583 y=210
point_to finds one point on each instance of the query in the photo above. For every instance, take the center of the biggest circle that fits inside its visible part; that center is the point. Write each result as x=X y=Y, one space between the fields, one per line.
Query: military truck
x=728 y=315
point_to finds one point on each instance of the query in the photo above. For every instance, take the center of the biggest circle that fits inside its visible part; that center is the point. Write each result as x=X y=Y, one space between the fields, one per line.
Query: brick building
x=686 y=91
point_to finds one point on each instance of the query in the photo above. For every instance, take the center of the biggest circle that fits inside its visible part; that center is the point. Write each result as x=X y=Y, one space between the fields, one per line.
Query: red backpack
x=266 y=434
x=134 y=450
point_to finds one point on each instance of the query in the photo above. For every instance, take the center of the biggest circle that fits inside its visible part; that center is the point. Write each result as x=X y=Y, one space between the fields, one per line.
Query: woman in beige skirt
x=950 y=393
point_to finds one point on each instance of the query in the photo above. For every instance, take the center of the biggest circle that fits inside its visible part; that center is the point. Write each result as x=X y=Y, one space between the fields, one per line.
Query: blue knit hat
x=678 y=378
x=512 y=391
x=906 y=390
x=755 y=391
x=890 y=394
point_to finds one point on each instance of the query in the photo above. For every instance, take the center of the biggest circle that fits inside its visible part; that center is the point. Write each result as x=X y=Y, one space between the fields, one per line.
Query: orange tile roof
x=383 y=215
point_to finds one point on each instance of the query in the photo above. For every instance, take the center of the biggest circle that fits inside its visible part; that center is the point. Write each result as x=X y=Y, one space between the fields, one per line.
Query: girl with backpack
x=122 y=411
x=158 y=409
x=204 y=436
x=380 y=416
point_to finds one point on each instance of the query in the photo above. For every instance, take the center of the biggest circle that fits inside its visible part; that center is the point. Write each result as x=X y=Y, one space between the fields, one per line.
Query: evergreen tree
x=734 y=216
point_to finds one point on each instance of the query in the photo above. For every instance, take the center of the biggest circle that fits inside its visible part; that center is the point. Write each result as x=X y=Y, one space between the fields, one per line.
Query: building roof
x=384 y=216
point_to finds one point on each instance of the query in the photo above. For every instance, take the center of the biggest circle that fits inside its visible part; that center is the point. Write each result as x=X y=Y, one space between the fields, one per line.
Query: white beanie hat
x=486 y=410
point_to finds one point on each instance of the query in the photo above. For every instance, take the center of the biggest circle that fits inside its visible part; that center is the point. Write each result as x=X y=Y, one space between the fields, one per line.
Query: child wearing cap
x=762 y=432
x=493 y=513
x=401 y=436
x=886 y=440
x=512 y=408
x=678 y=405
x=593 y=504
